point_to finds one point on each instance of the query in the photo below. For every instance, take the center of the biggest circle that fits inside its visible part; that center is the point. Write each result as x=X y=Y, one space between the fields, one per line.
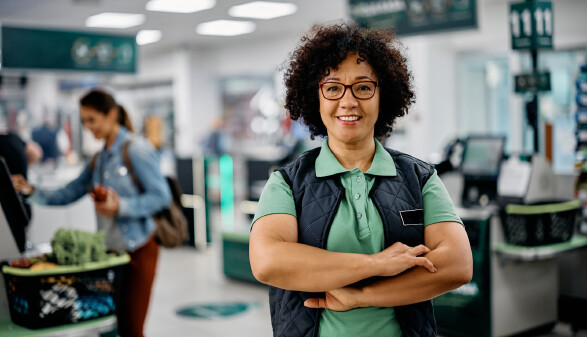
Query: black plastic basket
x=535 y=225
x=64 y=295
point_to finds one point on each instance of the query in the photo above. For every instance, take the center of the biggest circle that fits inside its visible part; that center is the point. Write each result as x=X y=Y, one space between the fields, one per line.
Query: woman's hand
x=399 y=257
x=21 y=185
x=109 y=207
x=341 y=299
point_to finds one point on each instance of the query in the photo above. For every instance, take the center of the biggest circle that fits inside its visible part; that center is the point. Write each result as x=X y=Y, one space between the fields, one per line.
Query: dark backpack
x=171 y=225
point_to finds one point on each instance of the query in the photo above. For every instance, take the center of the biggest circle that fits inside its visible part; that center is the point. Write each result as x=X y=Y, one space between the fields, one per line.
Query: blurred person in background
x=216 y=142
x=46 y=136
x=18 y=155
x=124 y=213
x=154 y=133
x=353 y=238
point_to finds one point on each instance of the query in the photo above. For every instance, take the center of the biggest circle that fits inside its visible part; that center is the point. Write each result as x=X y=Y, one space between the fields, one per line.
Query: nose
x=348 y=101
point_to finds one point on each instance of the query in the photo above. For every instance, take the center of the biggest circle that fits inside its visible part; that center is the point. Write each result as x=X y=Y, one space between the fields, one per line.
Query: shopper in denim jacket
x=125 y=215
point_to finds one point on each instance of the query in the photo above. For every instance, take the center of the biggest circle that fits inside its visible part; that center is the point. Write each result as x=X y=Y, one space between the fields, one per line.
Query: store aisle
x=187 y=278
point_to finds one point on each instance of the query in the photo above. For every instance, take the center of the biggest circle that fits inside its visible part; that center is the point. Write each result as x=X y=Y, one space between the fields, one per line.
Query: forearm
x=417 y=284
x=300 y=267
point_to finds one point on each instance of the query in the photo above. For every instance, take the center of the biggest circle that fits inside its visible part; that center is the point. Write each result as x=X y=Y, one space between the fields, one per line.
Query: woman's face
x=348 y=119
x=99 y=124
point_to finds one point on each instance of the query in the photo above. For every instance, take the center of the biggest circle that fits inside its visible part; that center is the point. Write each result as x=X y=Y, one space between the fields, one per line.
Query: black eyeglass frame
x=346 y=87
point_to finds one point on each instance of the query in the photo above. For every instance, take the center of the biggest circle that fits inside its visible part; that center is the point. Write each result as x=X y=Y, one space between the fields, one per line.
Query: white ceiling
x=178 y=29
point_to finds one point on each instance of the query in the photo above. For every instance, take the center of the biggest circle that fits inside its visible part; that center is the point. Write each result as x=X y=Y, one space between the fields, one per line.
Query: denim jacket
x=135 y=209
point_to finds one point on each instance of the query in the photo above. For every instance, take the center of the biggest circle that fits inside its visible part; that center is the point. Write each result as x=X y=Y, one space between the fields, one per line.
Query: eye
x=364 y=87
x=332 y=87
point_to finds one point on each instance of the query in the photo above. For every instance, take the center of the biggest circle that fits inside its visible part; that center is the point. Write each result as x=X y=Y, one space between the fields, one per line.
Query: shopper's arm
x=451 y=255
x=71 y=192
x=279 y=260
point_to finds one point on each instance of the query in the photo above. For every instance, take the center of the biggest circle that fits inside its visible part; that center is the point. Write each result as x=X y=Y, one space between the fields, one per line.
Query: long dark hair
x=104 y=102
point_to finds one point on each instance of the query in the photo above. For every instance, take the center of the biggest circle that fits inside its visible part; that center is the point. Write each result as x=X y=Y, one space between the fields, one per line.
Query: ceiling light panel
x=262 y=10
x=225 y=28
x=115 y=20
x=180 y=6
x=148 y=36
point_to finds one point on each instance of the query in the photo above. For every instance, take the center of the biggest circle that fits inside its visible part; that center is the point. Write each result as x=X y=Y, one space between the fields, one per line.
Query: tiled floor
x=188 y=277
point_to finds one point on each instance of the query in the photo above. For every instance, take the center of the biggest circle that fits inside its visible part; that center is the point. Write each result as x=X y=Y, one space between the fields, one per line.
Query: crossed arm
x=444 y=263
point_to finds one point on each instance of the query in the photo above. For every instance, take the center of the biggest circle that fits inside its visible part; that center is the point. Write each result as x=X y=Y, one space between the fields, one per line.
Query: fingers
x=418 y=250
x=425 y=263
x=315 y=303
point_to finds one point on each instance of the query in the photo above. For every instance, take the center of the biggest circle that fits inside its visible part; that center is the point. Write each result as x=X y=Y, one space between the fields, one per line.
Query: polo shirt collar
x=327 y=164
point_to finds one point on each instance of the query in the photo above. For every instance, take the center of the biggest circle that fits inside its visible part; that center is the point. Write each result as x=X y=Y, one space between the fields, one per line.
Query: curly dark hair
x=324 y=47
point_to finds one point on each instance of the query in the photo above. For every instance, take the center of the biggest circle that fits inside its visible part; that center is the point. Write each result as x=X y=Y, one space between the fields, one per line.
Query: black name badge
x=413 y=217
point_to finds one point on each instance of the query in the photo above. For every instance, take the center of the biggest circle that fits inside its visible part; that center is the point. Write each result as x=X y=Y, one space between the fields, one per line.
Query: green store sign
x=26 y=48
x=531 y=25
x=410 y=17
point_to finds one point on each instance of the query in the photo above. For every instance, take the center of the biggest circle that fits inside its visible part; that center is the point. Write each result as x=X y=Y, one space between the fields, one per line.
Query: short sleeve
x=438 y=207
x=276 y=198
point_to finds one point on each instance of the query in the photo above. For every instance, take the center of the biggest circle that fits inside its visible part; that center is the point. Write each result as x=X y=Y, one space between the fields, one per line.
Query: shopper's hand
x=342 y=299
x=399 y=257
x=21 y=185
x=109 y=207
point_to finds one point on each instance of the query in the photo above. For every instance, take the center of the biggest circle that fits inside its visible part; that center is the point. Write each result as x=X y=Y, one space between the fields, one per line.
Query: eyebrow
x=356 y=78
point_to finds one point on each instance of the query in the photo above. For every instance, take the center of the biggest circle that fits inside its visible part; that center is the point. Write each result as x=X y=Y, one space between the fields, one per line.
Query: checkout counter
x=515 y=288
x=13 y=220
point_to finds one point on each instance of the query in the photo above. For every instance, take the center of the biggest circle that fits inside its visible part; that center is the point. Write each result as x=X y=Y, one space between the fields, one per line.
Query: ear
x=113 y=114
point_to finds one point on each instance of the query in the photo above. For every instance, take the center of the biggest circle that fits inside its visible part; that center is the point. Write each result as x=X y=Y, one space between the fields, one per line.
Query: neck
x=354 y=155
x=111 y=138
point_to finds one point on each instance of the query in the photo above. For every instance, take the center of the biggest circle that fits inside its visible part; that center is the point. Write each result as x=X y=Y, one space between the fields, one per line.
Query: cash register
x=508 y=294
x=480 y=166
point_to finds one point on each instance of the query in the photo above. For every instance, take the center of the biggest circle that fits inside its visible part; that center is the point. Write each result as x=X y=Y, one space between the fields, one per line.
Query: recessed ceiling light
x=262 y=10
x=148 y=36
x=115 y=20
x=180 y=6
x=225 y=27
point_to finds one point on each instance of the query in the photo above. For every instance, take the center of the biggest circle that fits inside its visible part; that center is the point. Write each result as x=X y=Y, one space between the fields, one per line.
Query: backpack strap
x=128 y=164
x=92 y=164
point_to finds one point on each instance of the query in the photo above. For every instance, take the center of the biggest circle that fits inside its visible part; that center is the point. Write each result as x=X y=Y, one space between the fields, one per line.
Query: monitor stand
x=477 y=192
x=8 y=251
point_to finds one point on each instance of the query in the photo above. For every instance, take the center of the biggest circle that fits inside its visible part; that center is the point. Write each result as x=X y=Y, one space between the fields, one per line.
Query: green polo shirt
x=357 y=228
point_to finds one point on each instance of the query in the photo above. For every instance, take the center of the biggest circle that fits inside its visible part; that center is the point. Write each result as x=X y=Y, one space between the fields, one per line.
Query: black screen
x=12 y=206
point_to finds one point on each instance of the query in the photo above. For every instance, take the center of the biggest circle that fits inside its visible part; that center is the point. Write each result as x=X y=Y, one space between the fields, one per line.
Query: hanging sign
x=533 y=82
x=531 y=25
x=414 y=16
x=26 y=48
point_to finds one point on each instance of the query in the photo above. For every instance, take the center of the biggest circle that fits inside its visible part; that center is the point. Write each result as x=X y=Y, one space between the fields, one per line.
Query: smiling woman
x=330 y=233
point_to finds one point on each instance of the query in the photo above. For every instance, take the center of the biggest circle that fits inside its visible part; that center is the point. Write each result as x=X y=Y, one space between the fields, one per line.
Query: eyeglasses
x=361 y=90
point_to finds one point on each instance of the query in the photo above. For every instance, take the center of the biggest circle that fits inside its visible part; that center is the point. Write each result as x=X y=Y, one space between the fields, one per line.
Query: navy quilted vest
x=317 y=201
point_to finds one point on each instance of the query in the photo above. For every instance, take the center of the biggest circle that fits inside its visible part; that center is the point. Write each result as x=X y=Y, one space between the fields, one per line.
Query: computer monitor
x=480 y=166
x=13 y=209
x=482 y=156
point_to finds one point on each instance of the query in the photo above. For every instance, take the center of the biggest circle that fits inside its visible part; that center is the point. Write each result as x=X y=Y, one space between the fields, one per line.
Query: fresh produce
x=43 y=266
x=21 y=263
x=100 y=193
x=72 y=247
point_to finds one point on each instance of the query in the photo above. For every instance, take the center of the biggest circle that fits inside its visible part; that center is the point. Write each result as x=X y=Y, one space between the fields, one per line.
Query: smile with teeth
x=349 y=118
